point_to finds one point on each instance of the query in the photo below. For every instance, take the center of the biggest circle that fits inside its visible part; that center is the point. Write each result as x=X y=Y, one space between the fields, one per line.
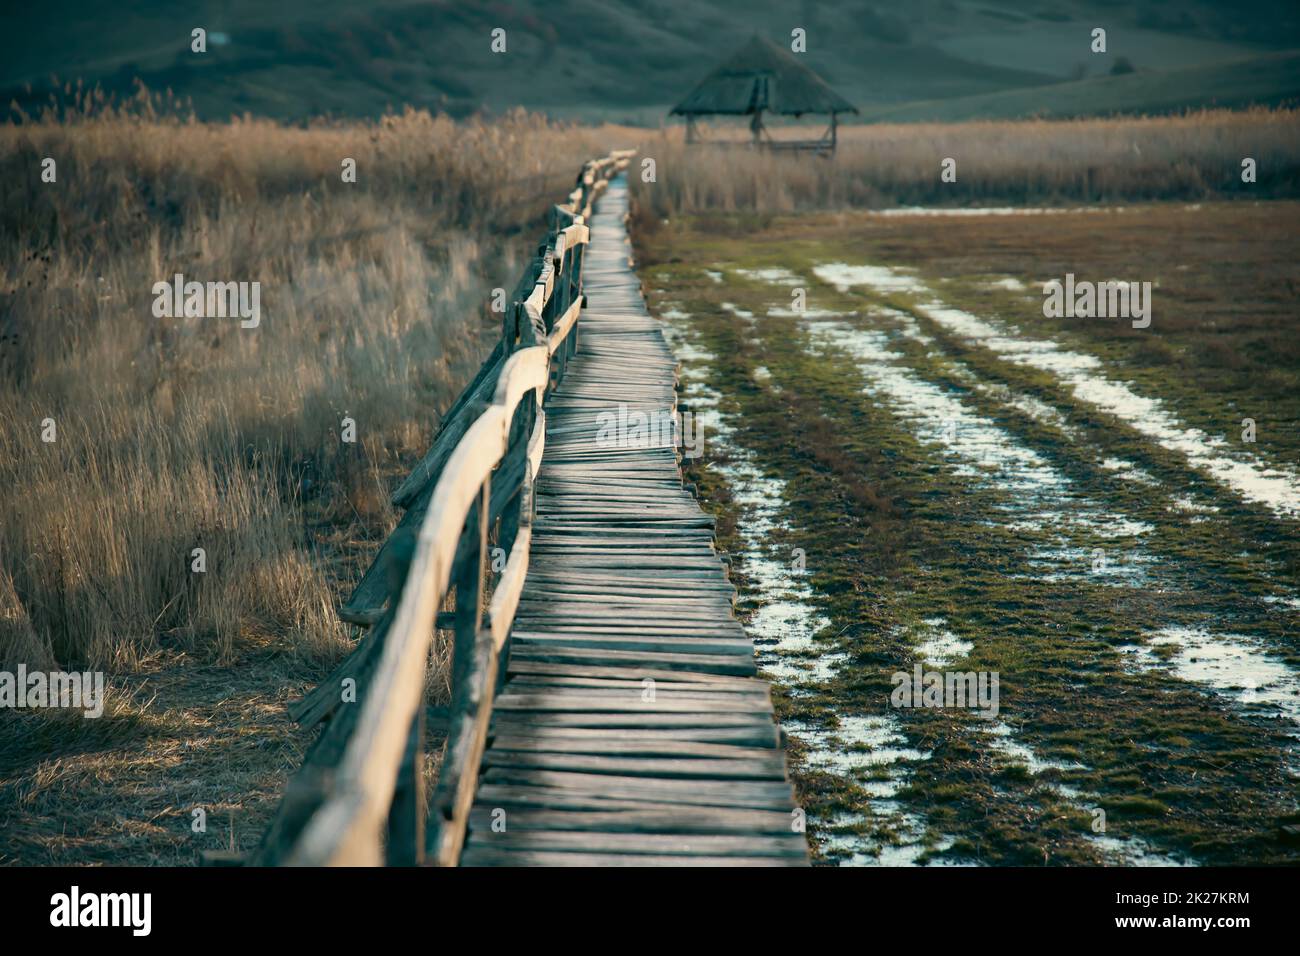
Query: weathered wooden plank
x=641 y=632
x=504 y=720
x=366 y=605
x=614 y=745
x=755 y=734
x=554 y=798
x=546 y=629
x=529 y=683
x=715 y=663
x=669 y=820
x=632 y=704
x=496 y=856
x=758 y=694
x=622 y=671
x=759 y=794
x=668 y=844
x=638 y=601
x=754 y=768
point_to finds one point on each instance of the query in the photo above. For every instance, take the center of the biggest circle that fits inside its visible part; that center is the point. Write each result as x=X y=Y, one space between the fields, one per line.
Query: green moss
x=1135 y=806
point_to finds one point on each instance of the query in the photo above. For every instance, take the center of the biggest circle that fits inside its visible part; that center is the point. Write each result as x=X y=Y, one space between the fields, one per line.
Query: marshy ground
x=918 y=466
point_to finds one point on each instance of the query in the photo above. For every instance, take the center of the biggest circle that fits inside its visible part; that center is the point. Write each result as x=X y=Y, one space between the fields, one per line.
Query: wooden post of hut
x=763 y=77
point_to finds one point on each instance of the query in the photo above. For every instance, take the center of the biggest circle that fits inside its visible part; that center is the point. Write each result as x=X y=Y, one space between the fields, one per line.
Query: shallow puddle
x=1231 y=666
x=1038 y=499
x=785 y=622
x=873 y=751
x=771 y=275
x=940 y=647
x=1125 y=851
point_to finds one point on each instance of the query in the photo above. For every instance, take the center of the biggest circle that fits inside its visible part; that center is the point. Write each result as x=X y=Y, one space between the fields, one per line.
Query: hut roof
x=762 y=76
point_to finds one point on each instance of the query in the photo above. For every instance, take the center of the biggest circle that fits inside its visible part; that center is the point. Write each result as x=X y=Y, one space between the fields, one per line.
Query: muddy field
x=912 y=465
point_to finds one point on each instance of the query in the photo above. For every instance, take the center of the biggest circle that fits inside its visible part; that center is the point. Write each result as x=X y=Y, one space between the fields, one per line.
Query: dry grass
x=1178 y=157
x=174 y=434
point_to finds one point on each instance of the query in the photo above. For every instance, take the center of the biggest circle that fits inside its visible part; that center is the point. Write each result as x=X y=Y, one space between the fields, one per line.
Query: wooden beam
x=346 y=830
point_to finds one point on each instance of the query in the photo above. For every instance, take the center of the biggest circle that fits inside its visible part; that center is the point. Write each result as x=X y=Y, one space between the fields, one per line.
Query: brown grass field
x=174 y=434
x=1190 y=156
x=181 y=433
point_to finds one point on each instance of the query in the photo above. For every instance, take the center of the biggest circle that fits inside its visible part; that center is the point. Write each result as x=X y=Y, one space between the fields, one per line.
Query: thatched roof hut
x=762 y=76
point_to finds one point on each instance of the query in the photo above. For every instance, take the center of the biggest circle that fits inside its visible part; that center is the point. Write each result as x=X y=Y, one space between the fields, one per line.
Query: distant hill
x=1267 y=80
x=622 y=60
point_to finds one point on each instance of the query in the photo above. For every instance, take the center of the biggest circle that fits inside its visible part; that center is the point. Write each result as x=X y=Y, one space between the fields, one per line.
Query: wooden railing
x=359 y=797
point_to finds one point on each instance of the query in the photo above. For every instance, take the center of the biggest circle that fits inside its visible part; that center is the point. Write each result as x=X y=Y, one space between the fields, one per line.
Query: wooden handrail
x=377 y=752
x=368 y=772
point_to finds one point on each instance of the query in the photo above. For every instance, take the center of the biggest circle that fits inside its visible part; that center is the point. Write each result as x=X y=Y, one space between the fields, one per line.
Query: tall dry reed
x=180 y=433
x=1193 y=156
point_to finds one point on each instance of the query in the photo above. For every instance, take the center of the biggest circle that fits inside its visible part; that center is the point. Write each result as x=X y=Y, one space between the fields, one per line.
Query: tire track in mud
x=983 y=453
x=1273 y=486
x=1240 y=473
x=1241 y=666
x=977 y=450
x=1029 y=497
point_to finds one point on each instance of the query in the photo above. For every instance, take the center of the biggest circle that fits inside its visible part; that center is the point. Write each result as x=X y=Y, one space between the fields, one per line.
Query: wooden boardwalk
x=631 y=728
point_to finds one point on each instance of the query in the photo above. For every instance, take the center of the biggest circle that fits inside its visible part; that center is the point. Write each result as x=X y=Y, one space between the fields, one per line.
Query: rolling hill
x=628 y=60
x=1267 y=80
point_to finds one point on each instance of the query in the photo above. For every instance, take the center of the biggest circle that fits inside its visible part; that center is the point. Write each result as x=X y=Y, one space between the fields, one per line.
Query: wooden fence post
x=469 y=595
x=406 y=816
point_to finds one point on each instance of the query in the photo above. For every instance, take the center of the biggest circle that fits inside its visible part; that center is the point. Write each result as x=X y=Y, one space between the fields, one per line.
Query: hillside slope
x=595 y=59
x=1267 y=80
